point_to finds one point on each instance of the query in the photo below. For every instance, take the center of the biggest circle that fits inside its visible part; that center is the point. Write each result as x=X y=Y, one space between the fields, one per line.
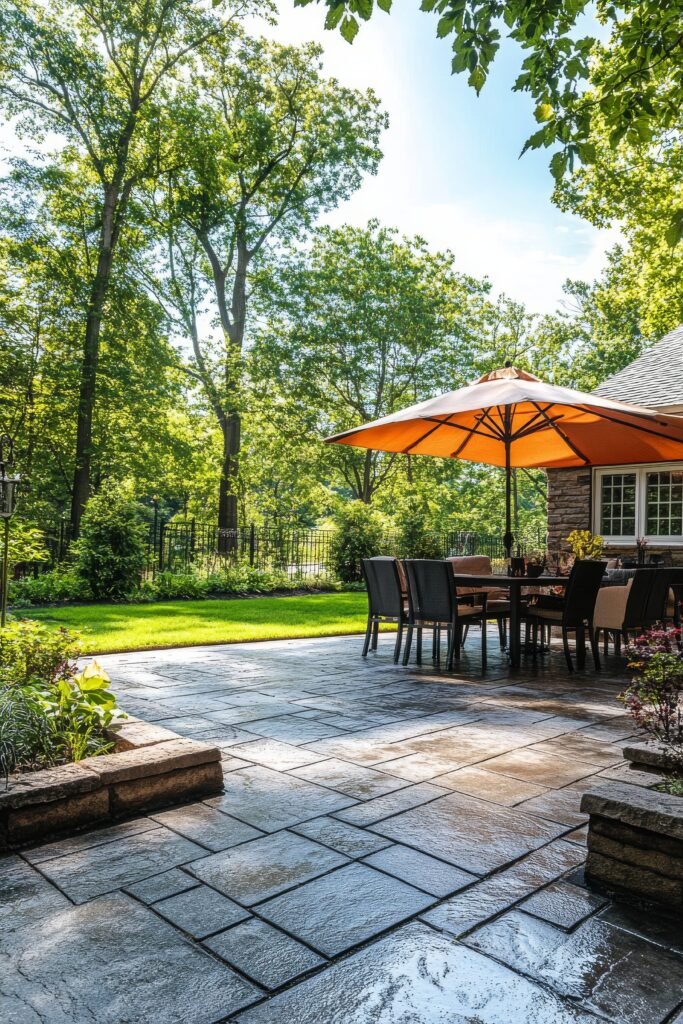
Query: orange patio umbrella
x=512 y=419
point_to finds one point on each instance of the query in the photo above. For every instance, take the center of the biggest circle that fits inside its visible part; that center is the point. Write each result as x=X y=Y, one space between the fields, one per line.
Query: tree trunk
x=227 y=489
x=88 y=375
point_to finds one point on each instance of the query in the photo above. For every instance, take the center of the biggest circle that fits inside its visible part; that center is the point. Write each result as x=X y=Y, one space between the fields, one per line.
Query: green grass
x=136 y=627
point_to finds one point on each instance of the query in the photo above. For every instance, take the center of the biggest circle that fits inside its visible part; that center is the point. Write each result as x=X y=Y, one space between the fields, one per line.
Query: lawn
x=120 y=627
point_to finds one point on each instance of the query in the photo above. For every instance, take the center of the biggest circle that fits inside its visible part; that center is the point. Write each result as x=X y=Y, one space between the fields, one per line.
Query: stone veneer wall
x=569 y=504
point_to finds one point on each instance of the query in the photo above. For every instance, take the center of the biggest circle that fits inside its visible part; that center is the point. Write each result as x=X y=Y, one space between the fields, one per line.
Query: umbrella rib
x=459 y=426
x=625 y=423
x=570 y=444
x=523 y=430
x=528 y=431
x=498 y=431
x=441 y=423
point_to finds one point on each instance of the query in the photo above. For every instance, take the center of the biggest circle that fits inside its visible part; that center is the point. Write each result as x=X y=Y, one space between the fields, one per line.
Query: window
x=640 y=501
x=618 y=505
x=664 y=498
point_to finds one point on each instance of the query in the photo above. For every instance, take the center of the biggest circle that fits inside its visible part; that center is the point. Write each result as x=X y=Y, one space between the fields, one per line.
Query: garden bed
x=150 y=767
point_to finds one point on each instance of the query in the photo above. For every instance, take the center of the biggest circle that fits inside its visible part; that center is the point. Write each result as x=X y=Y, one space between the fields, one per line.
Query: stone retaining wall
x=151 y=767
x=635 y=845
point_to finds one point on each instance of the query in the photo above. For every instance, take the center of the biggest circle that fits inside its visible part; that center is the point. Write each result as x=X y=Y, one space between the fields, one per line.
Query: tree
x=265 y=147
x=362 y=324
x=141 y=421
x=95 y=74
x=573 y=78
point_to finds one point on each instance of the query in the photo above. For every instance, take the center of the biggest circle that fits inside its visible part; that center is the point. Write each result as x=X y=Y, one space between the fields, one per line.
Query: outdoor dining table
x=515 y=585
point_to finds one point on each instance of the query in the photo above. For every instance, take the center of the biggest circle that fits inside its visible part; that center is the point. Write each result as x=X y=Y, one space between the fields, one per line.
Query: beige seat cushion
x=610 y=607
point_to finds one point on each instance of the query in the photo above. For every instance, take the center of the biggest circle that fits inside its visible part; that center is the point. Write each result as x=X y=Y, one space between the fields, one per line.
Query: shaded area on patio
x=392 y=843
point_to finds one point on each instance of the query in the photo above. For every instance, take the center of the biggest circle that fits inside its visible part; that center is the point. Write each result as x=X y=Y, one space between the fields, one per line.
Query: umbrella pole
x=509 y=538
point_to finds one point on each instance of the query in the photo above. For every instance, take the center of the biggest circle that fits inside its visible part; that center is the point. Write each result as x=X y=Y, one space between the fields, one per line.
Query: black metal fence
x=191 y=546
x=200 y=547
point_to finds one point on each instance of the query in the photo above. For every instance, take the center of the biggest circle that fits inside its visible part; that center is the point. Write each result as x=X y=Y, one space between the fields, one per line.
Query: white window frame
x=641 y=470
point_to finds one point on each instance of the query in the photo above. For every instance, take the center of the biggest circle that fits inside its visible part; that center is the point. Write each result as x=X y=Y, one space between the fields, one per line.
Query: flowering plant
x=585 y=544
x=654 y=700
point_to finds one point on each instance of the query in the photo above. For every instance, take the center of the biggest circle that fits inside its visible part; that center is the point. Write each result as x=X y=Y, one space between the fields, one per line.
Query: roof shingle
x=654 y=379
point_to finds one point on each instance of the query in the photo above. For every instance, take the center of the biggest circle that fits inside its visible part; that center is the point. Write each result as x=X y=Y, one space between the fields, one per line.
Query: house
x=623 y=503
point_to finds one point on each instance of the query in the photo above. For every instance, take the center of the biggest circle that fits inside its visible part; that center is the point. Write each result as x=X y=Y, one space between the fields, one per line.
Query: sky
x=451 y=170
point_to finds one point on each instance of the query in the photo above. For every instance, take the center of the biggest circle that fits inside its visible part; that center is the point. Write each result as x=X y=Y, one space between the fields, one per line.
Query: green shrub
x=416 y=538
x=359 y=533
x=50 y=713
x=31 y=652
x=59 y=584
x=111 y=551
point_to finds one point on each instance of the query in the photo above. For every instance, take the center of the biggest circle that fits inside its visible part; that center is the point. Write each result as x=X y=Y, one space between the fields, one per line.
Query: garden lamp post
x=8 y=503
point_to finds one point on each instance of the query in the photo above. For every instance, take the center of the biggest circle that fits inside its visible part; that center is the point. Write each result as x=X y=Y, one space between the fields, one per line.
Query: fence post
x=252 y=543
x=161 y=546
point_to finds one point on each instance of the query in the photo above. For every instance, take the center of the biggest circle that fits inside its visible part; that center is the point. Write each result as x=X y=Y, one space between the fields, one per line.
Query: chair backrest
x=383 y=581
x=431 y=588
x=638 y=598
x=656 y=608
x=477 y=565
x=581 y=591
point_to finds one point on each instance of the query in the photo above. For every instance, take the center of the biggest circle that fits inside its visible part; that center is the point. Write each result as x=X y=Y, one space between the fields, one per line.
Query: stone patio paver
x=386 y=806
x=500 y=789
x=481 y=843
x=100 y=869
x=563 y=904
x=264 y=867
x=351 y=779
x=347 y=839
x=461 y=830
x=616 y=973
x=344 y=908
x=426 y=873
x=207 y=826
x=389 y=982
x=271 y=800
x=201 y=911
x=159 y=887
x=262 y=952
x=112 y=961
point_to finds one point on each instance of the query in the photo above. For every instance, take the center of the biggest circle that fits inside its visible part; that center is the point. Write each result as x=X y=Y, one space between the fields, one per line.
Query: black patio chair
x=576 y=613
x=433 y=604
x=664 y=598
x=387 y=600
x=622 y=611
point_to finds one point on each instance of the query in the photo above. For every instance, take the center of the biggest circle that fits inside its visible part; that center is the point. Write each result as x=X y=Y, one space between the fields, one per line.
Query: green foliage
x=416 y=535
x=654 y=699
x=241 y=578
x=31 y=652
x=111 y=552
x=50 y=713
x=24 y=732
x=59 y=584
x=359 y=534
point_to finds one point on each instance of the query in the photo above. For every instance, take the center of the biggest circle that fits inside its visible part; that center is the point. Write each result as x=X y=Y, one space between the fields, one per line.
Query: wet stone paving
x=393 y=846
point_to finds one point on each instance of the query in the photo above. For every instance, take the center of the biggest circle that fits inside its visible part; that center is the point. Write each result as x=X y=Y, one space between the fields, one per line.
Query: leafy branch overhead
x=620 y=63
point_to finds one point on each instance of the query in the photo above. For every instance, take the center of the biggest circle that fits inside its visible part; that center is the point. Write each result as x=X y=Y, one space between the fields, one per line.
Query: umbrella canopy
x=512 y=419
